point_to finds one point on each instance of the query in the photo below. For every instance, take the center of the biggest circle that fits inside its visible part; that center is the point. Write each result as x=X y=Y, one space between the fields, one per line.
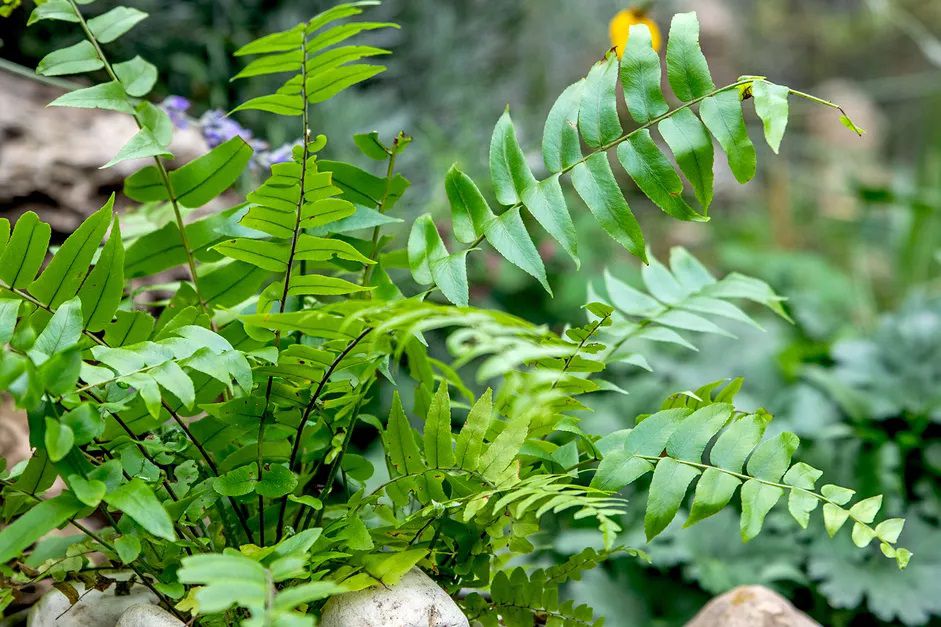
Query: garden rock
x=146 y=615
x=415 y=601
x=94 y=609
x=50 y=157
x=750 y=606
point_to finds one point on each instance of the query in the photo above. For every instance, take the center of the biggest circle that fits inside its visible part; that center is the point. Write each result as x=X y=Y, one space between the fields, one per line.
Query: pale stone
x=750 y=606
x=146 y=615
x=94 y=609
x=415 y=601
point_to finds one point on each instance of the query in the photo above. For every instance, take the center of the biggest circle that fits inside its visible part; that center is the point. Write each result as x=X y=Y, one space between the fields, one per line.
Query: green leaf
x=321 y=285
x=470 y=440
x=325 y=85
x=63 y=276
x=337 y=34
x=497 y=458
x=143 y=144
x=737 y=442
x=437 y=435
x=713 y=492
x=369 y=145
x=88 y=491
x=137 y=75
x=833 y=518
x=640 y=77
x=509 y=171
x=310 y=248
x=508 y=235
x=399 y=441
x=757 y=500
x=25 y=251
x=691 y=145
x=694 y=433
x=772 y=457
x=722 y=115
x=561 y=146
x=111 y=25
x=9 y=312
x=866 y=509
x=271 y=256
x=289 y=61
x=595 y=184
x=618 y=469
x=284 y=41
x=171 y=377
x=430 y=262
x=389 y=568
x=771 y=107
x=202 y=179
x=667 y=490
x=545 y=202
x=103 y=289
x=276 y=481
x=279 y=104
x=687 y=70
x=39 y=520
x=63 y=331
x=655 y=176
x=59 y=439
x=469 y=209
x=800 y=504
x=598 y=112
x=837 y=494
x=85 y=422
x=76 y=59
x=237 y=482
x=137 y=500
x=109 y=96
x=848 y=123
x=128 y=548
x=53 y=10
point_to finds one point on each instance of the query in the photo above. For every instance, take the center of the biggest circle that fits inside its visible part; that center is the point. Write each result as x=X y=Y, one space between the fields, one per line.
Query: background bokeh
x=848 y=228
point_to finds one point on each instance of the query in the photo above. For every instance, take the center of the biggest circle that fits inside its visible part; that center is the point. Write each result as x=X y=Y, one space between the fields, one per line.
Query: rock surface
x=416 y=601
x=750 y=606
x=50 y=157
x=146 y=615
x=94 y=609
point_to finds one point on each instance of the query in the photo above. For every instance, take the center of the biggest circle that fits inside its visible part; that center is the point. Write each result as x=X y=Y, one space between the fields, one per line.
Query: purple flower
x=280 y=155
x=176 y=108
x=217 y=128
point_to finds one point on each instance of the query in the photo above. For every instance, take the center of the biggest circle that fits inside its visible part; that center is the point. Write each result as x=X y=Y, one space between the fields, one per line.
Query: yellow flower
x=620 y=28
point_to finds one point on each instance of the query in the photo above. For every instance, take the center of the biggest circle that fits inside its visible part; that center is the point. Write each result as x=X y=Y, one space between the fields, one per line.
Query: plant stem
x=299 y=434
x=161 y=167
x=295 y=236
x=374 y=250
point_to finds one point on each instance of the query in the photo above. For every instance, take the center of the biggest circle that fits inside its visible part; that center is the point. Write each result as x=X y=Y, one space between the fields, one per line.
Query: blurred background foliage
x=848 y=229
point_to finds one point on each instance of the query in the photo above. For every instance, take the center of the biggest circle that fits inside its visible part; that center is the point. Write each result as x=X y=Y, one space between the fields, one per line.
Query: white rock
x=750 y=606
x=95 y=609
x=146 y=615
x=416 y=601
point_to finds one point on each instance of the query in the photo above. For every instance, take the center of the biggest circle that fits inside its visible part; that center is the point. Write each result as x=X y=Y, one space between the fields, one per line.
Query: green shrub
x=212 y=426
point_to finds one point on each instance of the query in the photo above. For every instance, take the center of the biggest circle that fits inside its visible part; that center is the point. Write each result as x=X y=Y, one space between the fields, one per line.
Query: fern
x=672 y=444
x=213 y=426
x=586 y=113
x=682 y=298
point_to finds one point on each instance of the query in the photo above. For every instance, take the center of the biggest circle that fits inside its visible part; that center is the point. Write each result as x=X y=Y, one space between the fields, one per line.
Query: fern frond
x=684 y=297
x=721 y=450
x=586 y=112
